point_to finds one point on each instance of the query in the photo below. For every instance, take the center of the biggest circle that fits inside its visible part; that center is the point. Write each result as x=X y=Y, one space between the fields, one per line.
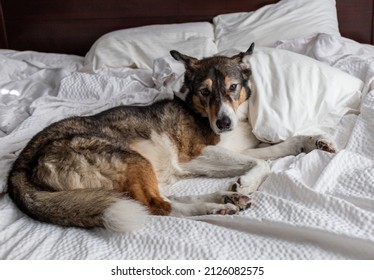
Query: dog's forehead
x=220 y=62
x=218 y=68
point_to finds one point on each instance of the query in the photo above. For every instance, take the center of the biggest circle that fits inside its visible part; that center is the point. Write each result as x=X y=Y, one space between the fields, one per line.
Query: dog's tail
x=79 y=207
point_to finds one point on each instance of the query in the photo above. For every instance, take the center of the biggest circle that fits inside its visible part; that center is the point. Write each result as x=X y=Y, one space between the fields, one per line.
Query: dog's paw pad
x=326 y=145
x=241 y=201
x=227 y=212
x=227 y=209
x=320 y=143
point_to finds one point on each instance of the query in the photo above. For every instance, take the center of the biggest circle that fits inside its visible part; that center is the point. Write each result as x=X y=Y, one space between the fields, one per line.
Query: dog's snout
x=223 y=123
x=225 y=119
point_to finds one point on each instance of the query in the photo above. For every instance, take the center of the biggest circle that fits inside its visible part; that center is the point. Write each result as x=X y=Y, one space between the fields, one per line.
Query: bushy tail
x=80 y=207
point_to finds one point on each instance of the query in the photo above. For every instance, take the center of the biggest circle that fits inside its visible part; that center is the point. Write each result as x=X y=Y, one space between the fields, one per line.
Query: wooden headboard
x=71 y=26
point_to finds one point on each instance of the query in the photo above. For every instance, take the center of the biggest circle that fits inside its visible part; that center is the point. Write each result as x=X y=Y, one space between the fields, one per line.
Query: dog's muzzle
x=226 y=120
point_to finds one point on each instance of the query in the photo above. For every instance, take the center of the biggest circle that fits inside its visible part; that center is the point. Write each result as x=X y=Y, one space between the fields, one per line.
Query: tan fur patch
x=208 y=83
x=141 y=184
x=213 y=112
x=243 y=96
x=194 y=152
x=198 y=106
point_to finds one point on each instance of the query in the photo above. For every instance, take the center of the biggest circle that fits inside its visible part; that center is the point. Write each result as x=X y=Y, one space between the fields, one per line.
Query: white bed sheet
x=314 y=206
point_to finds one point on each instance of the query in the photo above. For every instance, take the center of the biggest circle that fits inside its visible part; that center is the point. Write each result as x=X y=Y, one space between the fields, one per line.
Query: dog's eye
x=204 y=92
x=233 y=87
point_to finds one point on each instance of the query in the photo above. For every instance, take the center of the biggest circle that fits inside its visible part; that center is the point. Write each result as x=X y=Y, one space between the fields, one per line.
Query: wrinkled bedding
x=312 y=206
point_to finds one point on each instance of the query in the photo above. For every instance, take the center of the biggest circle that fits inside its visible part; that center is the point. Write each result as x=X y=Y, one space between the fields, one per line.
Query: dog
x=105 y=170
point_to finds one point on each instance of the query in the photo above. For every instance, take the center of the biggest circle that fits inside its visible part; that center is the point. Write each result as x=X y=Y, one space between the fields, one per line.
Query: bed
x=68 y=58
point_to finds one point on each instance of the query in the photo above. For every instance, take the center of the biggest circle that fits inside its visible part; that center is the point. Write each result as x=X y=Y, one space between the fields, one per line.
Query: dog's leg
x=221 y=197
x=142 y=185
x=293 y=146
x=222 y=203
x=220 y=162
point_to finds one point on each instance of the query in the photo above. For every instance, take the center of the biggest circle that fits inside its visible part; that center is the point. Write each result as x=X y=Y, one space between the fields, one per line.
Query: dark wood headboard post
x=3 y=37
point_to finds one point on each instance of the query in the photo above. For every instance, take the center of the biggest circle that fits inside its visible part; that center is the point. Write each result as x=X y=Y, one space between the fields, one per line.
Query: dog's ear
x=250 y=50
x=242 y=59
x=189 y=61
x=239 y=57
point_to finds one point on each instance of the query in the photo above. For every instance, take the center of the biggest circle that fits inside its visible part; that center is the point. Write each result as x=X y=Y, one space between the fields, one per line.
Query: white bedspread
x=314 y=206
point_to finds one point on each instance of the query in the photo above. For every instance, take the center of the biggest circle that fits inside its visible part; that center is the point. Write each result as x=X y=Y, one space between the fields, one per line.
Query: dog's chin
x=224 y=131
x=221 y=131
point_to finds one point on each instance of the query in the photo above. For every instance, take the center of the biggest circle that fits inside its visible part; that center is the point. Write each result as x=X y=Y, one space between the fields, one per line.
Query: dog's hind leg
x=222 y=203
x=251 y=180
x=141 y=184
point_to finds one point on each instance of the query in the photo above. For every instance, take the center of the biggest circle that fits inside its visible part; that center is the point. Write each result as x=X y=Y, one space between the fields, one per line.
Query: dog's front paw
x=245 y=187
x=326 y=145
x=252 y=180
x=320 y=143
x=241 y=201
x=224 y=209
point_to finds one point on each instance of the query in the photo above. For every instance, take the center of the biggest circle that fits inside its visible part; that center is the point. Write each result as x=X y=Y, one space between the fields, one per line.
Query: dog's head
x=215 y=87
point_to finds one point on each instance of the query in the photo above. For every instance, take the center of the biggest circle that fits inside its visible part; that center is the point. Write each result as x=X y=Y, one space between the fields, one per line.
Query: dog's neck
x=186 y=100
x=186 y=97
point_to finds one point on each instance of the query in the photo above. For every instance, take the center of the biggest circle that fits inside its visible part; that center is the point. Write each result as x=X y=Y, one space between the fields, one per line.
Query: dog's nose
x=223 y=123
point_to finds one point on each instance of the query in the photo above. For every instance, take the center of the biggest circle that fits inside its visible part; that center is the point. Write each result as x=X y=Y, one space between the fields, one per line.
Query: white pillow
x=286 y=19
x=297 y=95
x=138 y=47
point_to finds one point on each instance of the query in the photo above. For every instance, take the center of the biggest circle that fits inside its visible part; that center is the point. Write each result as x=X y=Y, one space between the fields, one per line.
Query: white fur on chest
x=241 y=137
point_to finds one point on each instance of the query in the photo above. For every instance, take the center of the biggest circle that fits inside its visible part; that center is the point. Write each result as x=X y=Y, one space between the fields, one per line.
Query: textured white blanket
x=314 y=206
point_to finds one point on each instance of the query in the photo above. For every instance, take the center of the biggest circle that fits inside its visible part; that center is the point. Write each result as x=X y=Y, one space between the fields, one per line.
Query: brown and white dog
x=105 y=170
